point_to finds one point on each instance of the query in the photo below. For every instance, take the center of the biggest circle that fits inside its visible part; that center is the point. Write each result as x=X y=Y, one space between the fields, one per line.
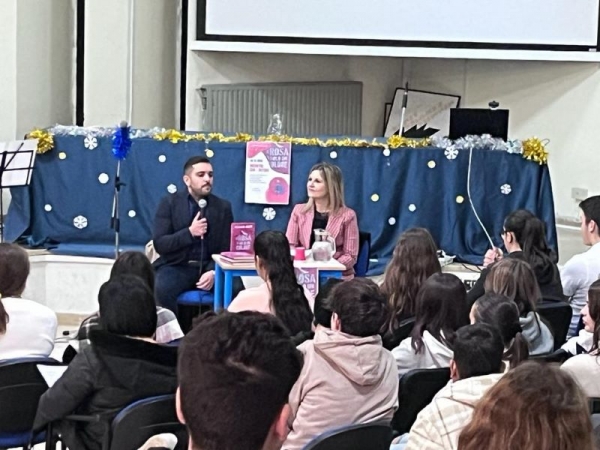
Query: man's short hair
x=193 y=161
x=591 y=210
x=236 y=371
x=322 y=310
x=478 y=350
x=360 y=306
x=127 y=307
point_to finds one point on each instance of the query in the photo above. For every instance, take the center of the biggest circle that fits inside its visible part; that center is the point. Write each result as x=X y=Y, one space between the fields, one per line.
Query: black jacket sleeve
x=165 y=239
x=477 y=290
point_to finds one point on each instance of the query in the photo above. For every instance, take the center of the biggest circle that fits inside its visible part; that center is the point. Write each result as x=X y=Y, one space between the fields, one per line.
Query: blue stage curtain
x=412 y=187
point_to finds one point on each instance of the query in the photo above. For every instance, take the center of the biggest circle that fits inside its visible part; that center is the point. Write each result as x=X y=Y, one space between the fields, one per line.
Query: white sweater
x=585 y=369
x=433 y=355
x=30 y=331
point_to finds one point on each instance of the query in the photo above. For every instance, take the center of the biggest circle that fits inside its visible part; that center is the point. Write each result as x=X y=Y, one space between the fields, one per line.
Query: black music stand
x=16 y=166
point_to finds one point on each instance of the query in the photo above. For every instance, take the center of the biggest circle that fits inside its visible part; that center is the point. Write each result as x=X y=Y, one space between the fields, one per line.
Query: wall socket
x=579 y=193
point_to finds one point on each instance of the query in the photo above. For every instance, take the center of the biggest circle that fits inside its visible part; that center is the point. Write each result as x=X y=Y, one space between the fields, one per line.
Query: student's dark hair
x=591 y=210
x=594 y=311
x=287 y=296
x=413 y=261
x=322 y=309
x=14 y=270
x=236 y=371
x=134 y=263
x=502 y=313
x=441 y=309
x=530 y=233
x=478 y=350
x=193 y=161
x=127 y=307
x=360 y=306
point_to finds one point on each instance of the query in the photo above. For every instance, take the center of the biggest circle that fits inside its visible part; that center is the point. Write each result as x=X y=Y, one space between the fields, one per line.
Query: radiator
x=308 y=109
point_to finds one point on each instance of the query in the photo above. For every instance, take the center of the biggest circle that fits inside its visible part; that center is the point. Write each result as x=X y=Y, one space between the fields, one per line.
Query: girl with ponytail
x=280 y=294
x=524 y=237
x=502 y=313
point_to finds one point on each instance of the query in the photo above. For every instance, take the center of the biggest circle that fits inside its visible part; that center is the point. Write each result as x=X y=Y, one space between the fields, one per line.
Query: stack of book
x=237 y=258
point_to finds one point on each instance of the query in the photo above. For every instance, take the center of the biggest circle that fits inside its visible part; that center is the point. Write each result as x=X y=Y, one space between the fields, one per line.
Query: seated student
x=326 y=210
x=123 y=364
x=476 y=367
x=515 y=279
x=280 y=294
x=585 y=368
x=235 y=375
x=27 y=328
x=533 y=407
x=582 y=270
x=524 y=237
x=348 y=377
x=502 y=313
x=413 y=261
x=441 y=310
x=136 y=263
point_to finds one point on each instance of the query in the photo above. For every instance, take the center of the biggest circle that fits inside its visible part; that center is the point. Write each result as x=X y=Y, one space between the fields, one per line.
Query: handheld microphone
x=202 y=204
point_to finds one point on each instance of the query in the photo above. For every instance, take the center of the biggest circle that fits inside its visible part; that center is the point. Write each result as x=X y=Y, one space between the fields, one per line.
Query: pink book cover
x=242 y=237
x=309 y=278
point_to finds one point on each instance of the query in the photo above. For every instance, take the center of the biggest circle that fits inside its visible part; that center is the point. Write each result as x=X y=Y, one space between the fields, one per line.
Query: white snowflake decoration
x=80 y=222
x=171 y=189
x=103 y=178
x=333 y=155
x=269 y=213
x=132 y=213
x=505 y=189
x=392 y=221
x=451 y=152
x=90 y=142
x=48 y=207
x=386 y=152
x=162 y=158
x=412 y=207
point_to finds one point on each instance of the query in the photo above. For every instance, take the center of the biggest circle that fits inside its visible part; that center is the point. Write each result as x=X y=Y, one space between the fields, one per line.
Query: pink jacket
x=342 y=225
x=345 y=380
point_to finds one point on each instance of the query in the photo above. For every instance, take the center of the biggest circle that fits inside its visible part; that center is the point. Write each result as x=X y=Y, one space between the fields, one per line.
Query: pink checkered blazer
x=342 y=225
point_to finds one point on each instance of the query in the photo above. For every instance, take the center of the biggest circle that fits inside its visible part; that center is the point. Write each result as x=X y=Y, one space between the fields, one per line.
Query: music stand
x=16 y=166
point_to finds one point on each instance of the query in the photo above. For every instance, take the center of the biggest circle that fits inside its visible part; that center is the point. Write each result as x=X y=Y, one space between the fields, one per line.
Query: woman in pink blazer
x=326 y=209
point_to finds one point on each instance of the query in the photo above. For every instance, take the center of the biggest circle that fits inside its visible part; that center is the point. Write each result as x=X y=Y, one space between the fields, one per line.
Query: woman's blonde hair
x=532 y=407
x=332 y=176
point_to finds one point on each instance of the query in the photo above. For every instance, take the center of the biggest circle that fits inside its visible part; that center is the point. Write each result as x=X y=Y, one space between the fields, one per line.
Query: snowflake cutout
x=333 y=155
x=171 y=189
x=412 y=207
x=269 y=213
x=80 y=222
x=103 y=178
x=505 y=189
x=392 y=221
x=48 y=207
x=131 y=213
x=451 y=152
x=90 y=142
x=386 y=152
x=162 y=158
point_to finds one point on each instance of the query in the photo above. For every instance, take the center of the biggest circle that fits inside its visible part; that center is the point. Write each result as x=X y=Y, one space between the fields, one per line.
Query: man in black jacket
x=186 y=235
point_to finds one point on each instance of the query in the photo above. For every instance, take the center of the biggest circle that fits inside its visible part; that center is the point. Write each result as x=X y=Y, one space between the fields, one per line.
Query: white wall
x=8 y=70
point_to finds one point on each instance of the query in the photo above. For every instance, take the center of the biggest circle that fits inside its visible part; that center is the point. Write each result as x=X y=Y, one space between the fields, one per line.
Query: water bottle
x=275 y=125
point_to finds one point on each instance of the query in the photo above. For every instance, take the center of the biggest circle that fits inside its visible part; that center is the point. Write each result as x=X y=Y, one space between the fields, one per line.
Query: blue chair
x=370 y=436
x=21 y=386
x=196 y=297
x=362 y=262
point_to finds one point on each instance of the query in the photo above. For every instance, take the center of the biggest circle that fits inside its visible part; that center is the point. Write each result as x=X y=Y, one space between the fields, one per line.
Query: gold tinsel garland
x=45 y=140
x=535 y=150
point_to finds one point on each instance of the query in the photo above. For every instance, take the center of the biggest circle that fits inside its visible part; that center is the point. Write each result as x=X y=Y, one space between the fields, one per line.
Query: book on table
x=237 y=258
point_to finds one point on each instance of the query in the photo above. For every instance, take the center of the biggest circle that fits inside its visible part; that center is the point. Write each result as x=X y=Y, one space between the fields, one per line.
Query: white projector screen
x=518 y=24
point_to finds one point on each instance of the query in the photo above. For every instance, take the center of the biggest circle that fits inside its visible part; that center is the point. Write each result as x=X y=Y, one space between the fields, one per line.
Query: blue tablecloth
x=70 y=198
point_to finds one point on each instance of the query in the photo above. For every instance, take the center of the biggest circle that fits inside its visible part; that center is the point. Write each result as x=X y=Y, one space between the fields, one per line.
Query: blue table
x=224 y=274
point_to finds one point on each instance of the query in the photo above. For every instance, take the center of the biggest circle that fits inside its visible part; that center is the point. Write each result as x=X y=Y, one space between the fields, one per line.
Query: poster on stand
x=268 y=168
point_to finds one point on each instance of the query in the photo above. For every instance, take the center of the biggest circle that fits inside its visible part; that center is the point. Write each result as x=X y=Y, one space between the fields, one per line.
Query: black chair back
x=417 y=389
x=594 y=403
x=364 y=249
x=141 y=420
x=374 y=436
x=21 y=386
x=391 y=341
x=558 y=317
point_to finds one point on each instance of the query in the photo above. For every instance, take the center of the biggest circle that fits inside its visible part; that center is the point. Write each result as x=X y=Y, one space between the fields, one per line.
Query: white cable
x=471 y=200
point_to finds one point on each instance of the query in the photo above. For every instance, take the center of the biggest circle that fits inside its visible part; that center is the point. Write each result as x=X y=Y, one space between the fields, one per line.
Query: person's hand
x=491 y=256
x=206 y=281
x=199 y=226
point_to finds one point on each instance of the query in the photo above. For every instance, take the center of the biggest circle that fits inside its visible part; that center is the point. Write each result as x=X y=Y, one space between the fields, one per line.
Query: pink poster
x=268 y=168
x=242 y=237
x=309 y=278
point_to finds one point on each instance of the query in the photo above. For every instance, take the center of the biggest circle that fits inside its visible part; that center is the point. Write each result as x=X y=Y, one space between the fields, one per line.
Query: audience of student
x=475 y=368
x=585 y=368
x=235 y=375
x=122 y=364
x=514 y=278
x=348 y=377
x=325 y=209
x=280 y=294
x=502 y=313
x=524 y=237
x=413 y=261
x=532 y=407
x=27 y=328
x=582 y=270
x=136 y=263
x=441 y=309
